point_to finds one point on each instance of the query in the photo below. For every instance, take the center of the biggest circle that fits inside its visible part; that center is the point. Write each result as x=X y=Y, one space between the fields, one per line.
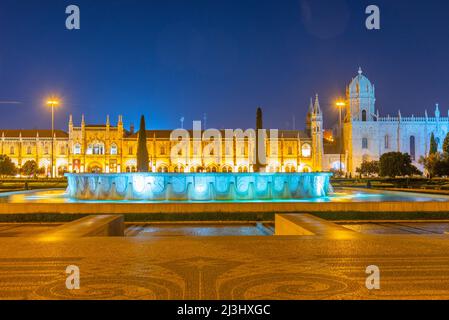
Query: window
x=290 y=150
x=364 y=115
x=113 y=149
x=29 y=150
x=306 y=150
x=98 y=148
x=130 y=150
x=365 y=143
x=162 y=150
x=77 y=149
x=226 y=169
x=62 y=150
x=46 y=150
x=412 y=148
x=387 y=142
x=11 y=150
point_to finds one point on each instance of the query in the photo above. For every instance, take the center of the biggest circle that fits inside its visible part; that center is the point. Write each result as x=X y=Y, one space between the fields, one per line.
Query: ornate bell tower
x=317 y=136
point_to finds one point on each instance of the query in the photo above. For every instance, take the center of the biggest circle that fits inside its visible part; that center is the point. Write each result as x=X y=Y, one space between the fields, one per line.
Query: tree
x=368 y=168
x=7 y=167
x=433 y=145
x=446 y=144
x=393 y=164
x=259 y=126
x=436 y=164
x=142 y=151
x=30 y=168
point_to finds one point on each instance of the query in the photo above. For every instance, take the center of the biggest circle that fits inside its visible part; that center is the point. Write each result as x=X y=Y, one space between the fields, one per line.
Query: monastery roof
x=16 y=133
x=288 y=134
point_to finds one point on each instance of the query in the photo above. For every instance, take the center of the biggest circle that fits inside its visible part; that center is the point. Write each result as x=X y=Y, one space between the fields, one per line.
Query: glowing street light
x=340 y=105
x=53 y=103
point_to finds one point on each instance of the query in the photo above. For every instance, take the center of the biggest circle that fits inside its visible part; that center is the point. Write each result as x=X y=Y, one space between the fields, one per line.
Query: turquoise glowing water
x=199 y=186
x=60 y=196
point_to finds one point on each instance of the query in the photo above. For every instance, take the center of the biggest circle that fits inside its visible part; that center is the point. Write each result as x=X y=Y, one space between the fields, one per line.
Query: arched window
x=130 y=150
x=306 y=150
x=98 y=148
x=113 y=149
x=364 y=115
x=162 y=150
x=365 y=143
x=11 y=150
x=46 y=150
x=290 y=150
x=29 y=150
x=77 y=149
x=226 y=169
x=62 y=150
x=412 y=148
x=179 y=168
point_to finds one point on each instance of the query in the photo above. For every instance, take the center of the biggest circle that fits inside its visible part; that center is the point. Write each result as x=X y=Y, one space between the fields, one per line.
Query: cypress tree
x=433 y=145
x=446 y=144
x=142 y=151
x=259 y=126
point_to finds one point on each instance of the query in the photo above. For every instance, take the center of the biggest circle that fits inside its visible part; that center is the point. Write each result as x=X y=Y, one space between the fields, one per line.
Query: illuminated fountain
x=198 y=186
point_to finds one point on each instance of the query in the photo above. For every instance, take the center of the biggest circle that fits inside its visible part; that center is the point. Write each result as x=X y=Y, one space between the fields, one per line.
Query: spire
x=360 y=71
x=311 y=105
x=316 y=107
x=70 y=120
x=83 y=123
x=437 y=110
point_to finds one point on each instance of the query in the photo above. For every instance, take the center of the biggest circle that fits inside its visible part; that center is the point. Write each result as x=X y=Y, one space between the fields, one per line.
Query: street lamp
x=340 y=105
x=53 y=103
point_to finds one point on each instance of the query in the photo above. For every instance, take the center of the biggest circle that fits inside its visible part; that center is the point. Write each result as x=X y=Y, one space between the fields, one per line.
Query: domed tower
x=361 y=99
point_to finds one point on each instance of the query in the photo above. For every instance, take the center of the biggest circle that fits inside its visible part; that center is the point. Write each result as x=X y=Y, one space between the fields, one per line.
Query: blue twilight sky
x=167 y=59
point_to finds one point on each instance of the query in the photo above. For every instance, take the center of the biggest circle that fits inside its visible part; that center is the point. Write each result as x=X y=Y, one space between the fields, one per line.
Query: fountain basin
x=198 y=186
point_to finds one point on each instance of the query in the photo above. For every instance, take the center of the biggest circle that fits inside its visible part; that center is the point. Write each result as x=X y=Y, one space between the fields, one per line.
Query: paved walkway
x=307 y=267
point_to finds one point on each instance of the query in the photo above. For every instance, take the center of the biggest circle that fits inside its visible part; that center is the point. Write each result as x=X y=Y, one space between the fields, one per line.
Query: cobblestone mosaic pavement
x=412 y=267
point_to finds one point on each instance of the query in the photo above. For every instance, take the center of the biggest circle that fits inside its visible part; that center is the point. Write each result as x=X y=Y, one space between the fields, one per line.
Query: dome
x=361 y=86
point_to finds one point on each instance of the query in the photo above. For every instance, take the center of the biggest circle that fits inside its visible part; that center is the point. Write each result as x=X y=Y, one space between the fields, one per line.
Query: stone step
x=304 y=224
x=90 y=226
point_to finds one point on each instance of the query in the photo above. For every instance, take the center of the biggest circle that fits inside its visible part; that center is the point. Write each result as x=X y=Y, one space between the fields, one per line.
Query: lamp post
x=340 y=105
x=52 y=102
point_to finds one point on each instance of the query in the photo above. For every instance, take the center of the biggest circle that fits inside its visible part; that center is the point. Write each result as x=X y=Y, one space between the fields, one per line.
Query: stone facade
x=110 y=148
x=367 y=135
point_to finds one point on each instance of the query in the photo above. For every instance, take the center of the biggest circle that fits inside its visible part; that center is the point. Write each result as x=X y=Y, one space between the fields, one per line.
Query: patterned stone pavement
x=226 y=267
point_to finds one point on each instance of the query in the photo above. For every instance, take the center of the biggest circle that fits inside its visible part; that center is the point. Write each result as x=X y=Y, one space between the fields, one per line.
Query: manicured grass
x=334 y=216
